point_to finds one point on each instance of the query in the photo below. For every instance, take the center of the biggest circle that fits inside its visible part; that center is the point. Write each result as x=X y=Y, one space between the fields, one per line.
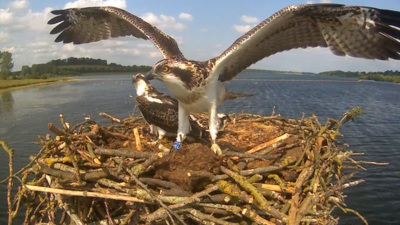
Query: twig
x=85 y=194
x=268 y=143
x=10 y=153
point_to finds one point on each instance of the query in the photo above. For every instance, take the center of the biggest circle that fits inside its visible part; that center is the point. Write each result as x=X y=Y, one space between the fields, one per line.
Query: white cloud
x=46 y=50
x=5 y=16
x=13 y=49
x=8 y=49
x=113 y=43
x=69 y=47
x=154 y=54
x=4 y=37
x=19 y=5
x=163 y=21
x=204 y=30
x=242 y=28
x=86 y=3
x=128 y=51
x=178 y=39
x=249 y=19
x=28 y=22
x=186 y=16
x=142 y=45
x=37 y=44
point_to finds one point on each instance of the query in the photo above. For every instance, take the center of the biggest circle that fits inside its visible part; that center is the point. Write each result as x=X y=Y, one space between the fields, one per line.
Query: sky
x=203 y=30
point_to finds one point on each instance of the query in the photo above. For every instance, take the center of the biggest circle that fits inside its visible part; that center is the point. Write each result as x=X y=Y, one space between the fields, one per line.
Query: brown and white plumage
x=160 y=111
x=356 y=31
x=91 y=24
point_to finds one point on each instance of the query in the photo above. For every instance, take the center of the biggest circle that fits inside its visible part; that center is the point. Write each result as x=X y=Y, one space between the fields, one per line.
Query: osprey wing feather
x=91 y=24
x=355 y=31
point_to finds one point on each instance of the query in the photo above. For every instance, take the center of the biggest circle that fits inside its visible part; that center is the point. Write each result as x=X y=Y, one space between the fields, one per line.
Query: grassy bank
x=11 y=84
x=113 y=73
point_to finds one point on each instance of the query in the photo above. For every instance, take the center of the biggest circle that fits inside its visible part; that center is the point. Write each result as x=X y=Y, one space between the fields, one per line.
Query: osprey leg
x=183 y=126
x=213 y=124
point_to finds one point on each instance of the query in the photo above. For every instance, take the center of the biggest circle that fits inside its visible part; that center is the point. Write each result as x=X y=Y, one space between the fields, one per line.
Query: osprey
x=160 y=112
x=222 y=117
x=356 y=31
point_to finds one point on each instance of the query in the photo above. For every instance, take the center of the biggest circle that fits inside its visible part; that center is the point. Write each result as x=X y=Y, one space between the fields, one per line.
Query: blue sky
x=203 y=29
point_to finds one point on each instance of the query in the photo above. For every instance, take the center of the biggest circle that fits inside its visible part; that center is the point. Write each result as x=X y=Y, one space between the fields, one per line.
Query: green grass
x=113 y=73
x=4 y=84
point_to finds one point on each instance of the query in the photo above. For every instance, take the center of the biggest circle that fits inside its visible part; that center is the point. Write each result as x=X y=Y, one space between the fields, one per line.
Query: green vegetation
x=276 y=71
x=5 y=84
x=6 y=64
x=75 y=67
x=387 y=76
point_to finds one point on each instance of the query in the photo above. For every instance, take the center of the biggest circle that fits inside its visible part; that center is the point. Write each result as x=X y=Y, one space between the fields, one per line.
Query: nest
x=273 y=170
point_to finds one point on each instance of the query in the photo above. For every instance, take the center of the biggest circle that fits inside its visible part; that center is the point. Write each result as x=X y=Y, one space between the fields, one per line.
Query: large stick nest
x=273 y=170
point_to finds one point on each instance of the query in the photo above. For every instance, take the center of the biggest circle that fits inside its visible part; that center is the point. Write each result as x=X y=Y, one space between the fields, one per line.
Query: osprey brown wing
x=355 y=31
x=91 y=24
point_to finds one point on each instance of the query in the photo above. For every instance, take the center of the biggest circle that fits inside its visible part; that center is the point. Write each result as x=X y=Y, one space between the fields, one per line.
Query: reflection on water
x=24 y=113
x=6 y=101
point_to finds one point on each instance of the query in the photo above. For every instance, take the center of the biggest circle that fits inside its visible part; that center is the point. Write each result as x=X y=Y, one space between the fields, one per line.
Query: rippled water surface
x=24 y=113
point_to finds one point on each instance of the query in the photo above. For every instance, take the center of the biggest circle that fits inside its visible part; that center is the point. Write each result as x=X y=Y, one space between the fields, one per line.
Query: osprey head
x=173 y=72
x=141 y=84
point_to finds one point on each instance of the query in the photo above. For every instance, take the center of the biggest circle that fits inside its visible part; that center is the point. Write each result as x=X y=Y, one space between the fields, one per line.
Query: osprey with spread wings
x=356 y=31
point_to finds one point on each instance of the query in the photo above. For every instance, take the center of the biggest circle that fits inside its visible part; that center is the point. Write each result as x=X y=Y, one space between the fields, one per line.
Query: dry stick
x=251 y=214
x=203 y=216
x=303 y=207
x=266 y=144
x=230 y=208
x=10 y=152
x=61 y=203
x=55 y=129
x=277 y=188
x=65 y=127
x=105 y=132
x=137 y=139
x=161 y=213
x=345 y=210
x=165 y=184
x=244 y=155
x=25 y=167
x=123 y=153
x=138 y=182
x=235 y=191
x=263 y=203
x=127 y=218
x=373 y=163
x=303 y=176
x=287 y=161
x=75 y=164
x=341 y=187
x=86 y=194
x=113 y=119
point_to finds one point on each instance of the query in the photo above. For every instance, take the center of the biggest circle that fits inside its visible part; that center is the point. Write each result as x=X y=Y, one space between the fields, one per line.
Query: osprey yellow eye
x=165 y=69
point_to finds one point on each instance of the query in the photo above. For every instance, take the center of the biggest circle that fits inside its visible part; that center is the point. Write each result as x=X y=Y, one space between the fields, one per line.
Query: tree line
x=76 y=66
x=6 y=64
x=387 y=76
x=71 y=66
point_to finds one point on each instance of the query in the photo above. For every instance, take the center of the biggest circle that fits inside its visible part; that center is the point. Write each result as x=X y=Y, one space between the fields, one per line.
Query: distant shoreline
x=40 y=82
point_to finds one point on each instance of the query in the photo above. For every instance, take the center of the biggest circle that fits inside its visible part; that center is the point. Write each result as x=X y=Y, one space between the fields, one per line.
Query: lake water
x=25 y=113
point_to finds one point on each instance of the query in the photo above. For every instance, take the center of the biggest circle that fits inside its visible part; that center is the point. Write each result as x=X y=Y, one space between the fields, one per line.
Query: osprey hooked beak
x=150 y=75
